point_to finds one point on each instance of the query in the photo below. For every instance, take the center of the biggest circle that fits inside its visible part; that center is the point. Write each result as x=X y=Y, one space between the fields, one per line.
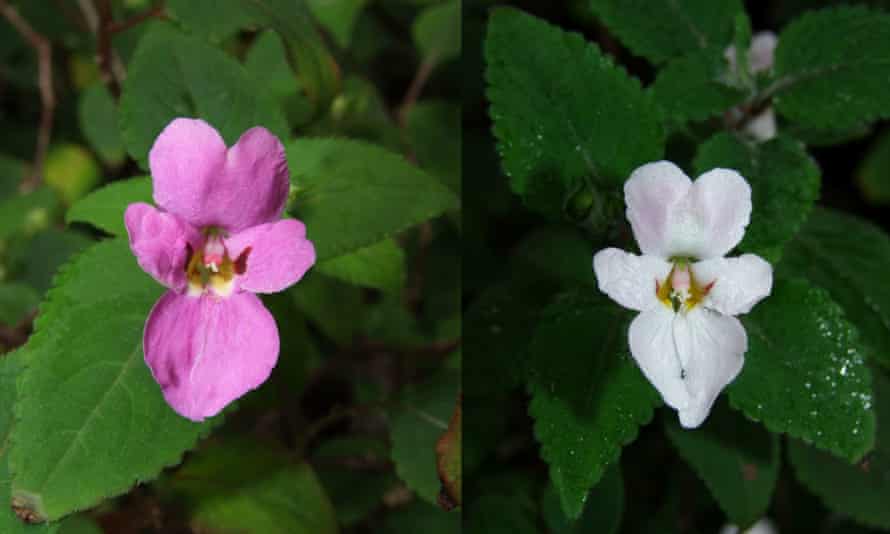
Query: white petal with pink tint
x=630 y=280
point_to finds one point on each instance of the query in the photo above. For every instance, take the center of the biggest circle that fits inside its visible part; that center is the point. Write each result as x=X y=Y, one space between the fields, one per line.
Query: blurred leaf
x=16 y=302
x=359 y=112
x=823 y=78
x=738 y=460
x=661 y=29
x=873 y=173
x=174 y=75
x=37 y=260
x=213 y=20
x=266 y=62
x=419 y=517
x=12 y=172
x=500 y=514
x=97 y=113
x=602 y=510
x=71 y=171
x=784 y=181
x=26 y=213
x=805 y=372
x=335 y=307
x=553 y=137
x=434 y=128
x=355 y=194
x=588 y=396
x=448 y=460
x=356 y=493
x=437 y=33
x=860 y=491
x=234 y=485
x=380 y=266
x=104 y=208
x=560 y=252
x=848 y=256
x=416 y=425
x=338 y=17
x=90 y=418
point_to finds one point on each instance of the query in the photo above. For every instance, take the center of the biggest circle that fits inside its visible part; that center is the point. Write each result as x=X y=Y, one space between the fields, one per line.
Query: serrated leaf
x=552 y=136
x=661 y=29
x=784 y=181
x=823 y=77
x=588 y=397
x=104 y=208
x=16 y=301
x=860 y=491
x=380 y=266
x=233 y=485
x=98 y=116
x=436 y=32
x=354 y=194
x=435 y=131
x=173 y=75
x=805 y=372
x=91 y=421
x=602 y=512
x=873 y=174
x=848 y=256
x=416 y=425
x=738 y=460
x=338 y=17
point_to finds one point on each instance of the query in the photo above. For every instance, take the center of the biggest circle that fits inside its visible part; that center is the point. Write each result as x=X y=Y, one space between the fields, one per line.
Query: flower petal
x=159 y=240
x=763 y=126
x=628 y=279
x=279 y=255
x=760 y=55
x=651 y=340
x=205 y=351
x=197 y=178
x=652 y=192
x=738 y=283
x=712 y=349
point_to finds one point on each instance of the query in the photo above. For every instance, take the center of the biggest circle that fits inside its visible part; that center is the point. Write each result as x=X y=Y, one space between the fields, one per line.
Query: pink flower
x=217 y=239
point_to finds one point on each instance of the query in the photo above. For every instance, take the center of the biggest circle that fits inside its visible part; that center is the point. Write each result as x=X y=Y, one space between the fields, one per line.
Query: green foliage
x=437 y=32
x=738 y=460
x=16 y=301
x=98 y=116
x=435 y=128
x=421 y=517
x=229 y=487
x=552 y=136
x=333 y=306
x=174 y=75
x=380 y=266
x=873 y=174
x=353 y=194
x=602 y=511
x=26 y=213
x=39 y=257
x=91 y=421
x=416 y=425
x=588 y=396
x=860 y=491
x=338 y=17
x=213 y=20
x=784 y=183
x=71 y=171
x=662 y=29
x=824 y=76
x=560 y=252
x=805 y=372
x=105 y=207
x=268 y=66
x=847 y=256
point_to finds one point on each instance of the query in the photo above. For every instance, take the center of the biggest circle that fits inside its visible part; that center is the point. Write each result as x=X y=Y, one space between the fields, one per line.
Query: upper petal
x=738 y=283
x=651 y=341
x=763 y=47
x=652 y=193
x=205 y=351
x=712 y=349
x=197 y=178
x=628 y=279
x=160 y=242
x=279 y=255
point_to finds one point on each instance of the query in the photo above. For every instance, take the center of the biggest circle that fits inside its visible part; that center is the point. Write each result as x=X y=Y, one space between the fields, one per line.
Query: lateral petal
x=160 y=242
x=279 y=255
x=630 y=280
x=737 y=284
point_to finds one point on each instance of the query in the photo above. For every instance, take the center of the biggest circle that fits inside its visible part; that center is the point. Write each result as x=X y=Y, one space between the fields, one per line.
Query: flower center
x=211 y=269
x=680 y=291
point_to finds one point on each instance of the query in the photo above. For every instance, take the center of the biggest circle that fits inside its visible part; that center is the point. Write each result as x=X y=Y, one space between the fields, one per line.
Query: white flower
x=760 y=59
x=764 y=526
x=686 y=340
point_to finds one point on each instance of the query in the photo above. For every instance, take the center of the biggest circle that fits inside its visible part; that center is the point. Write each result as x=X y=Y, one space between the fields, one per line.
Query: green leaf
x=860 y=491
x=380 y=266
x=91 y=421
x=355 y=493
x=805 y=372
x=588 y=397
x=873 y=174
x=97 y=113
x=80 y=524
x=16 y=301
x=695 y=87
x=823 y=77
x=174 y=75
x=26 y=213
x=416 y=425
x=784 y=181
x=419 y=516
x=552 y=136
x=335 y=307
x=213 y=20
x=41 y=256
x=659 y=30
x=847 y=256
x=338 y=17
x=268 y=66
x=354 y=194
x=738 y=460
x=104 y=208
x=602 y=512
x=435 y=131
x=234 y=485
x=437 y=32
x=561 y=252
